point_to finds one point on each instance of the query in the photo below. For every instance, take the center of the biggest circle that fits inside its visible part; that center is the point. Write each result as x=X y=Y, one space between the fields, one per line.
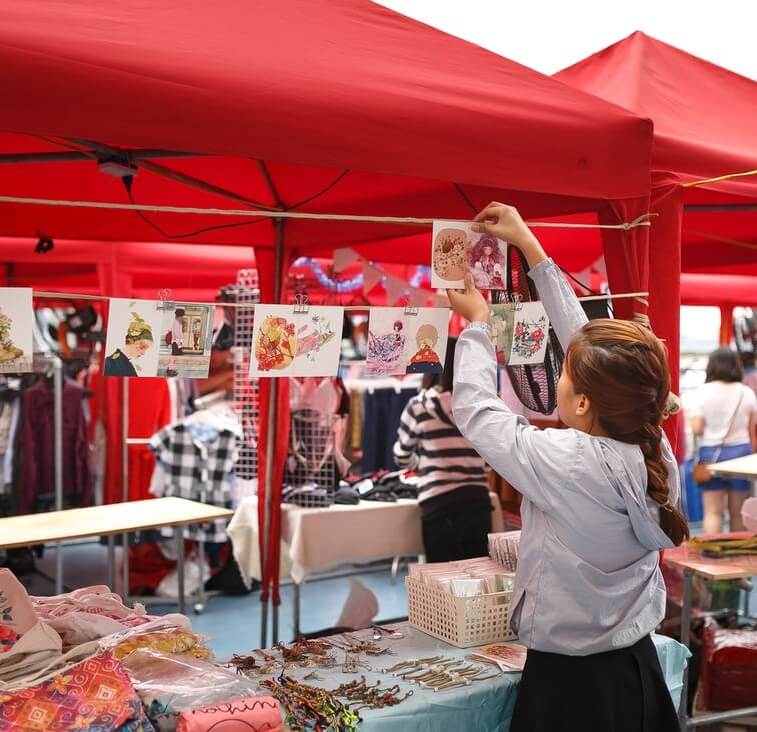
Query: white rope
x=150 y=208
x=250 y=306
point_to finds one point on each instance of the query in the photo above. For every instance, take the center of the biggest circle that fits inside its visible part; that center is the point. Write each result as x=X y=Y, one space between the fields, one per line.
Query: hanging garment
x=382 y=411
x=198 y=461
x=38 y=446
x=8 y=431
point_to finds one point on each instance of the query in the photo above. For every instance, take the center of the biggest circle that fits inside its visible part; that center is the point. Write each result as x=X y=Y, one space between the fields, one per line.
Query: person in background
x=750 y=372
x=600 y=500
x=724 y=418
x=454 y=494
x=177 y=333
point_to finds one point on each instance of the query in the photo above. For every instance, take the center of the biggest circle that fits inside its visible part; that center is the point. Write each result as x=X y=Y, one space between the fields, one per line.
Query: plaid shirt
x=198 y=462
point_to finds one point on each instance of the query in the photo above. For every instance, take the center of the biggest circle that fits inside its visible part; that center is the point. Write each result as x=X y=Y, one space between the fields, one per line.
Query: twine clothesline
x=251 y=306
x=642 y=220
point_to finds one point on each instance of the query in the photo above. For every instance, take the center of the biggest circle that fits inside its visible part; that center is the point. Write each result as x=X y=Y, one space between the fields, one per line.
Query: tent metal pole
x=721 y=207
x=125 y=487
x=269 y=455
x=74 y=156
x=58 y=447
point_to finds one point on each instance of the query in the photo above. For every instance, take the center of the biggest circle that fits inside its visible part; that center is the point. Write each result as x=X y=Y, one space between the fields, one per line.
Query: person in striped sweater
x=453 y=495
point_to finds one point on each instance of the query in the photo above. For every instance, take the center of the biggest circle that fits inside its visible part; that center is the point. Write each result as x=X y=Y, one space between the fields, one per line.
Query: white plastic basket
x=460 y=621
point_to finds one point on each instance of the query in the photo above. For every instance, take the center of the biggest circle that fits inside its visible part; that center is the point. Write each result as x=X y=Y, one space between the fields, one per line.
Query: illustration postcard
x=134 y=331
x=457 y=249
x=289 y=343
x=386 y=342
x=520 y=333
x=16 y=340
x=426 y=340
x=186 y=340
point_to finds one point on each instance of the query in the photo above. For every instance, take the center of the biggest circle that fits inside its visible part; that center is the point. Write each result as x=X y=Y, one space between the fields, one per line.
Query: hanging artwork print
x=426 y=343
x=134 y=327
x=386 y=342
x=520 y=333
x=186 y=341
x=16 y=341
x=290 y=343
x=456 y=249
x=402 y=341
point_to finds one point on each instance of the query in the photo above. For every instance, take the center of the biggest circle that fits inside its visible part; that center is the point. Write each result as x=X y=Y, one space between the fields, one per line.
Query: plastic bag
x=170 y=684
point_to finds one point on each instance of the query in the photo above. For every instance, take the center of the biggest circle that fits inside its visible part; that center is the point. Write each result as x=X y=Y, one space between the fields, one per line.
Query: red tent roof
x=313 y=89
x=704 y=127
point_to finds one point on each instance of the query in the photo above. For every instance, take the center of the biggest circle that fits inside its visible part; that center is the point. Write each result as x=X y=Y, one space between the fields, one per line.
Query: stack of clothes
x=85 y=661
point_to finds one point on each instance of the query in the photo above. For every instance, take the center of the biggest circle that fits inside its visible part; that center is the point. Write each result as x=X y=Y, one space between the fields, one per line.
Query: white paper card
x=520 y=334
x=286 y=343
x=403 y=343
x=16 y=339
x=457 y=249
x=186 y=340
x=133 y=342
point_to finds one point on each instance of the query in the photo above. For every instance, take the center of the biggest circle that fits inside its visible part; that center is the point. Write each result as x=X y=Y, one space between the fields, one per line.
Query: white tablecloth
x=315 y=539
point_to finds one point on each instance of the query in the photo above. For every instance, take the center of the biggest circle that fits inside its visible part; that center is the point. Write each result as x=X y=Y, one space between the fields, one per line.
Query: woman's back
x=724 y=405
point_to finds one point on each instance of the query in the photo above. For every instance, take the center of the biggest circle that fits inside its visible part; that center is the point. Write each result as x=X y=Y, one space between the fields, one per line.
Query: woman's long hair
x=622 y=368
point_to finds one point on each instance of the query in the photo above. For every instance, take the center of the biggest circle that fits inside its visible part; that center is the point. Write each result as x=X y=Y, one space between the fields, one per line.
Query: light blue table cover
x=485 y=706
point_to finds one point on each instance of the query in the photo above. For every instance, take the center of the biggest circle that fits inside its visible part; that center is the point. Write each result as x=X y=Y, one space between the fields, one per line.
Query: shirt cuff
x=480 y=325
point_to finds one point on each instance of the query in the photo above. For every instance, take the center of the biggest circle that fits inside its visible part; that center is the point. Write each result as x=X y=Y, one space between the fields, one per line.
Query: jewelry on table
x=372 y=697
x=248 y=665
x=411 y=664
x=387 y=631
x=310 y=707
x=352 y=663
x=356 y=645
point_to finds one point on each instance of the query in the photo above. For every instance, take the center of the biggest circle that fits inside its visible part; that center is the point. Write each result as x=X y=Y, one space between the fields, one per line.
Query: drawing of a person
x=385 y=351
x=487 y=263
x=8 y=351
x=177 y=333
x=196 y=333
x=425 y=360
x=138 y=340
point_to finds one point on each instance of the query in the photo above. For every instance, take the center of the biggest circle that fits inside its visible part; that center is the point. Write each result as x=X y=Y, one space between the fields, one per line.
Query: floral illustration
x=278 y=343
x=528 y=337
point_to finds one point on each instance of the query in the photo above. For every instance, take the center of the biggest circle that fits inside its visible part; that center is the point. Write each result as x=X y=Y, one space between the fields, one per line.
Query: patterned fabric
x=197 y=461
x=95 y=695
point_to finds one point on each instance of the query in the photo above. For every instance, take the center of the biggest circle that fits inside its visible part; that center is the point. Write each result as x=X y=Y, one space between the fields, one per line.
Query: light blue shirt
x=588 y=575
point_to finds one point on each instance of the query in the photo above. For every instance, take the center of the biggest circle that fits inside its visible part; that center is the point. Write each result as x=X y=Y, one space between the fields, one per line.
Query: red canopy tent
x=703 y=128
x=341 y=107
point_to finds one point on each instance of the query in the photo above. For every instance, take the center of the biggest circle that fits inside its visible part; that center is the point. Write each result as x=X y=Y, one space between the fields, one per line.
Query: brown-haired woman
x=724 y=418
x=600 y=502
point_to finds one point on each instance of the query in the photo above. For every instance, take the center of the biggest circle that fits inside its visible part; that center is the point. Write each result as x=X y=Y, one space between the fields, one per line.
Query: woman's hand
x=505 y=223
x=469 y=303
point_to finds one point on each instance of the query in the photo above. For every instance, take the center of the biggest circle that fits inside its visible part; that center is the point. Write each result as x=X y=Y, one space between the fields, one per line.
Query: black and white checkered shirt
x=198 y=462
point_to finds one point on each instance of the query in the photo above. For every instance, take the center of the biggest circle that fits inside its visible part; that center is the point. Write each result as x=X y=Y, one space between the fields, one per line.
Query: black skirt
x=616 y=691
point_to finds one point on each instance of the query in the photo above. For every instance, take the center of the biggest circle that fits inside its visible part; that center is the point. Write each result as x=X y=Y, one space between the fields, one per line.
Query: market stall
x=230 y=122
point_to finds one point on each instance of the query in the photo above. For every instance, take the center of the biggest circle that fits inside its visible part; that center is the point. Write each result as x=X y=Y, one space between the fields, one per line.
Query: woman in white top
x=724 y=417
x=600 y=502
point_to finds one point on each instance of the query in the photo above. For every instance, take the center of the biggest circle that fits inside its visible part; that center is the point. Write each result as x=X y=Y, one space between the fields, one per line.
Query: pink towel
x=250 y=714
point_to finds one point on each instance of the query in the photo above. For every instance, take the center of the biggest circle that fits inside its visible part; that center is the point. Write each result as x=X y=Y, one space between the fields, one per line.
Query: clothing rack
x=44 y=363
